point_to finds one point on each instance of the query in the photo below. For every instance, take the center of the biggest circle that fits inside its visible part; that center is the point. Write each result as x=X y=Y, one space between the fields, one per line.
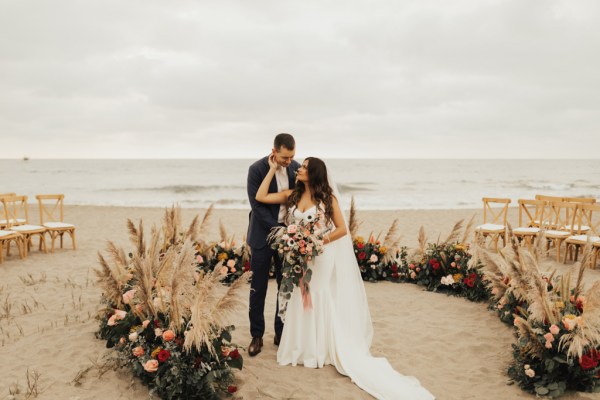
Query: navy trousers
x=260 y=263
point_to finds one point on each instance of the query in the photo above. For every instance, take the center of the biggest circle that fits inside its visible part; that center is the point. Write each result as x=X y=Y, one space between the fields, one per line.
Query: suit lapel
x=291 y=176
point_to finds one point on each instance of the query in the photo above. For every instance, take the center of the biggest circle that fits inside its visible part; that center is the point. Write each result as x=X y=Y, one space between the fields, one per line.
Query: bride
x=337 y=329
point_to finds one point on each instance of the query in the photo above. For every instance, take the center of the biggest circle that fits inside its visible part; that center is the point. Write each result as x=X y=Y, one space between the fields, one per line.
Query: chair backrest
x=548 y=198
x=51 y=207
x=531 y=212
x=590 y=216
x=563 y=215
x=583 y=200
x=13 y=206
x=7 y=194
x=497 y=214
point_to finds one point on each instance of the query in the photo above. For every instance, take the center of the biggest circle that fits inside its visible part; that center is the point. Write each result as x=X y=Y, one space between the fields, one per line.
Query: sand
x=48 y=303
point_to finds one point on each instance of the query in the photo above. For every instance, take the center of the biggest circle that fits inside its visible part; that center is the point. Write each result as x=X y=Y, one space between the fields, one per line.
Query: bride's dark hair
x=319 y=185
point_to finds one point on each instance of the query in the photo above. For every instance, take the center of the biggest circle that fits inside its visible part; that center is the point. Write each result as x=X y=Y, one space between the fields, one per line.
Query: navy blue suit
x=263 y=218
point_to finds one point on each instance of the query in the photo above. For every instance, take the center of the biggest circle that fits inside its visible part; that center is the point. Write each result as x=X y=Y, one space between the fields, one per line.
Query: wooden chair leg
x=53 y=239
x=2 y=251
x=43 y=242
x=72 y=233
x=558 y=245
x=61 y=239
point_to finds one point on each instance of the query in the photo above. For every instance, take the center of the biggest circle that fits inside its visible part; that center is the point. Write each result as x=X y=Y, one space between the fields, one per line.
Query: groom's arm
x=260 y=209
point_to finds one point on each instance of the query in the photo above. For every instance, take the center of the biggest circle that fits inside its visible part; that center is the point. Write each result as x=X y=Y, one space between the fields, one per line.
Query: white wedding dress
x=338 y=329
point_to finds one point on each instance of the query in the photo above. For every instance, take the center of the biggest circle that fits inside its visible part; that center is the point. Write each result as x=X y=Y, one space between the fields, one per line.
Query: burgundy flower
x=589 y=360
x=394 y=268
x=395 y=275
x=234 y=354
x=163 y=355
x=231 y=388
x=360 y=245
x=362 y=255
x=246 y=266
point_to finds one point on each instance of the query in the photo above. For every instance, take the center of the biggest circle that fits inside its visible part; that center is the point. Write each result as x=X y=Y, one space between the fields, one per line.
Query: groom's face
x=284 y=156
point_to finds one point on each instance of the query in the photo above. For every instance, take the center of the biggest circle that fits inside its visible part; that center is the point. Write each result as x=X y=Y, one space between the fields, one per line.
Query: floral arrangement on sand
x=557 y=324
x=169 y=324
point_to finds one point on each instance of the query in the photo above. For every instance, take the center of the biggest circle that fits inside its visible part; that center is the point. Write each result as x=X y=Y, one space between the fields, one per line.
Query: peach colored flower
x=549 y=337
x=224 y=270
x=231 y=263
x=139 y=308
x=453 y=264
x=199 y=259
x=120 y=314
x=122 y=340
x=133 y=336
x=158 y=332
x=373 y=258
x=145 y=323
x=225 y=351
x=569 y=322
x=548 y=345
x=413 y=275
x=411 y=266
x=291 y=229
x=151 y=366
x=128 y=296
x=554 y=330
x=418 y=269
x=530 y=373
x=138 y=351
x=168 y=335
x=112 y=321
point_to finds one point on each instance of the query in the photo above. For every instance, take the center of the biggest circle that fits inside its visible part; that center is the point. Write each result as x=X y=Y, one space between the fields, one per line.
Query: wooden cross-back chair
x=8 y=236
x=494 y=220
x=3 y=220
x=529 y=212
x=51 y=217
x=589 y=217
x=547 y=209
x=562 y=221
x=13 y=206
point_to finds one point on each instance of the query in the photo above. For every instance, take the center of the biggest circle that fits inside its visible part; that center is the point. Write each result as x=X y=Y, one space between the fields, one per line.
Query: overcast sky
x=206 y=79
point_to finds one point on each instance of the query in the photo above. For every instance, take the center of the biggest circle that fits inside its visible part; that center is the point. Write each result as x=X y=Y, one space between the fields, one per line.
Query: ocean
x=384 y=184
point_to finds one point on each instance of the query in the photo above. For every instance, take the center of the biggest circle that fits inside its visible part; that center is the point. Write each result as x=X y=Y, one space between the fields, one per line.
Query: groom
x=263 y=217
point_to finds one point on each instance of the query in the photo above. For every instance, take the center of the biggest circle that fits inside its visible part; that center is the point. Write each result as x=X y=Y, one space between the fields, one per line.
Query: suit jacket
x=263 y=216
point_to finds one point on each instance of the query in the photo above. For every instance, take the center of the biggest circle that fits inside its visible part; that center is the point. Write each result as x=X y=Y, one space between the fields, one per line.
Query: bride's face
x=303 y=172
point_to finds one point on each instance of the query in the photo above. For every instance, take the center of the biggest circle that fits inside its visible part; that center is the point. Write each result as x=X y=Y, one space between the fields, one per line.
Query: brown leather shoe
x=255 y=346
x=276 y=340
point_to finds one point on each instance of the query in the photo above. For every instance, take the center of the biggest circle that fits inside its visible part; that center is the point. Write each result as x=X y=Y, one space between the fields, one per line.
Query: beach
x=48 y=303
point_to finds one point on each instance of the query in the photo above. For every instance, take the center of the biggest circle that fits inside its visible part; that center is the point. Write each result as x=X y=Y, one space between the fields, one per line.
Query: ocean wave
x=179 y=189
x=345 y=187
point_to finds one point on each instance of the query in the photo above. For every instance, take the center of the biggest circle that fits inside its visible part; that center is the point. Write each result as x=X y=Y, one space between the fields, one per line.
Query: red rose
x=395 y=275
x=435 y=266
x=589 y=360
x=394 y=268
x=163 y=355
x=156 y=323
x=234 y=354
x=360 y=245
x=246 y=266
x=232 y=388
x=469 y=282
x=362 y=255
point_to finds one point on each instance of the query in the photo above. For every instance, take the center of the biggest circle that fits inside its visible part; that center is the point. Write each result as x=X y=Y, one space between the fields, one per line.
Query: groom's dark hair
x=284 y=139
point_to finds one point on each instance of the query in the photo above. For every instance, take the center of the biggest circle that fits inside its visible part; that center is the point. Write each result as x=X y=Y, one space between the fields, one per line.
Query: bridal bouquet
x=298 y=244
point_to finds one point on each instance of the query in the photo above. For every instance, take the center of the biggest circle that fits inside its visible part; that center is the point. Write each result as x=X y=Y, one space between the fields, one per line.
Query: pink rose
x=168 y=335
x=453 y=264
x=224 y=271
x=548 y=345
x=292 y=229
x=231 y=263
x=133 y=336
x=199 y=259
x=302 y=243
x=112 y=321
x=128 y=296
x=549 y=337
x=151 y=366
x=145 y=324
x=122 y=340
x=138 y=351
x=418 y=269
x=120 y=314
x=411 y=266
x=554 y=330
x=413 y=275
x=373 y=258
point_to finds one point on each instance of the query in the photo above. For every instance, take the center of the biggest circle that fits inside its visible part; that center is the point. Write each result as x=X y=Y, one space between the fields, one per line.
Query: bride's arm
x=338 y=221
x=263 y=195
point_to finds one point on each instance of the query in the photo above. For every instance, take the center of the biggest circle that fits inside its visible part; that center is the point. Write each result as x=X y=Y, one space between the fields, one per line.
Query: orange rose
x=138 y=351
x=168 y=335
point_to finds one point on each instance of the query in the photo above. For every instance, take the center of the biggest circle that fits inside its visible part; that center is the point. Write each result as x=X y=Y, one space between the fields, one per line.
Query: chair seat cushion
x=13 y=221
x=53 y=225
x=6 y=233
x=583 y=238
x=491 y=227
x=27 y=228
x=526 y=230
x=576 y=227
x=558 y=233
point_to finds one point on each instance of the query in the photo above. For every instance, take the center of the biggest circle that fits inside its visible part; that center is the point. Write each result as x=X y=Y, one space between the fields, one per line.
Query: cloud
x=358 y=79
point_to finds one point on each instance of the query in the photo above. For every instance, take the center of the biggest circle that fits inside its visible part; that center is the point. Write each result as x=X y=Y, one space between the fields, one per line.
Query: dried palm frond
x=586 y=334
x=209 y=312
x=109 y=280
x=205 y=220
x=171 y=226
x=586 y=258
x=136 y=235
x=564 y=286
x=117 y=254
x=541 y=308
x=534 y=347
x=192 y=232
x=146 y=280
x=494 y=267
x=468 y=230
x=391 y=234
x=454 y=233
x=353 y=220
x=223 y=232
x=181 y=285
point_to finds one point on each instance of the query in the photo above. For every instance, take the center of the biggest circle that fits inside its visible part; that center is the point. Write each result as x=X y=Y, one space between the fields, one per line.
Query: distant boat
x=25 y=158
